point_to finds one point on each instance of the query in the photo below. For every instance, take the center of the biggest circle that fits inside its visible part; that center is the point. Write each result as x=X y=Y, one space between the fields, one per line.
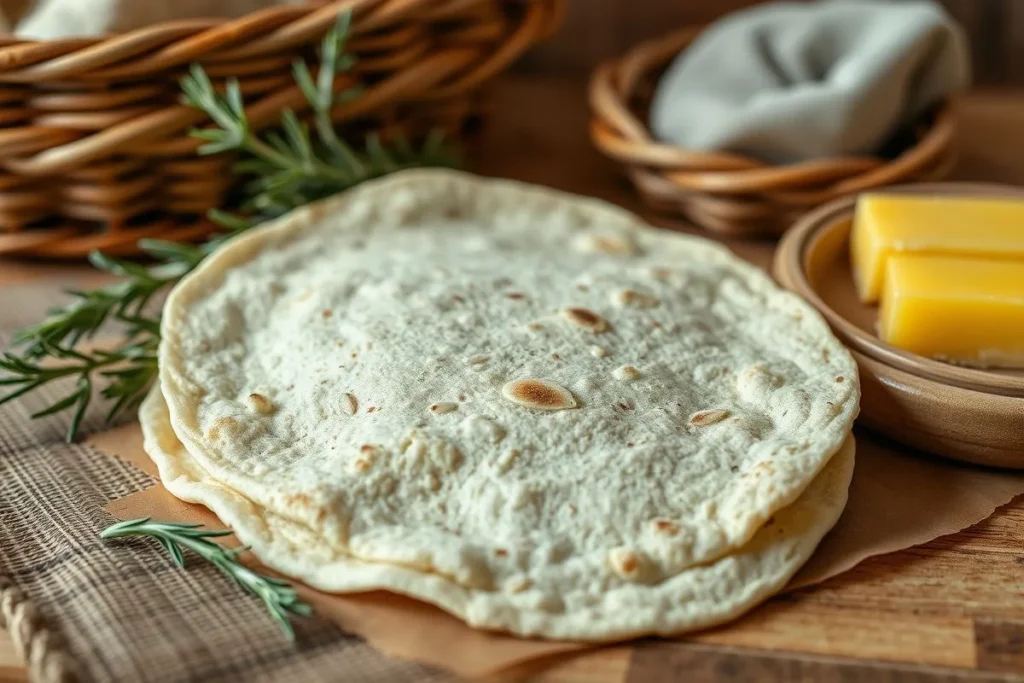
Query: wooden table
x=951 y=610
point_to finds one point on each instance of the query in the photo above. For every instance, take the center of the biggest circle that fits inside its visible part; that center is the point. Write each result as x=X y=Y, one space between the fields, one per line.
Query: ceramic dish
x=963 y=413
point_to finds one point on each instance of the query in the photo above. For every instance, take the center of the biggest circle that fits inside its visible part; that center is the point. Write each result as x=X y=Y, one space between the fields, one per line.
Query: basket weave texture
x=94 y=144
x=727 y=193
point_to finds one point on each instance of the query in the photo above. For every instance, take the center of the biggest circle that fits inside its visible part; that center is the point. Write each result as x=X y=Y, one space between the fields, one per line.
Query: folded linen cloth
x=788 y=82
x=50 y=19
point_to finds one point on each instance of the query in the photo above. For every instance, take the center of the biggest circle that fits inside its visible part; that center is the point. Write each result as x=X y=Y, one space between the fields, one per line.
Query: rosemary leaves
x=285 y=169
x=281 y=599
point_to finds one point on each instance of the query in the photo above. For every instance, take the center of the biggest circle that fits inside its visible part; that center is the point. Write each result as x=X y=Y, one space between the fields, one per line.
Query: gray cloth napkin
x=788 y=82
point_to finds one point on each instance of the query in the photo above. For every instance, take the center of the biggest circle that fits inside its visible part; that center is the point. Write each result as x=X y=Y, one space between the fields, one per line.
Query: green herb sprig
x=287 y=169
x=281 y=599
x=290 y=167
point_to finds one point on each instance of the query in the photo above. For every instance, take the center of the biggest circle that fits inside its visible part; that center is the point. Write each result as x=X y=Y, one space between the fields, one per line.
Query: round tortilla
x=699 y=597
x=516 y=390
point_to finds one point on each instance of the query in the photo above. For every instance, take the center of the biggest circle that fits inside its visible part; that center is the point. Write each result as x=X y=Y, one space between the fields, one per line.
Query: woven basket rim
x=244 y=22
x=625 y=137
x=75 y=111
x=190 y=25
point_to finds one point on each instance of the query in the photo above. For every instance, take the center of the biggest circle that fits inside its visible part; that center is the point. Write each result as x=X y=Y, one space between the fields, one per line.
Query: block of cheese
x=960 y=309
x=885 y=224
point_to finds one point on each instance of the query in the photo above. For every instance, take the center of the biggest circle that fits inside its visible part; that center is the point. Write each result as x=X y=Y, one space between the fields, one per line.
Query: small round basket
x=731 y=194
x=95 y=150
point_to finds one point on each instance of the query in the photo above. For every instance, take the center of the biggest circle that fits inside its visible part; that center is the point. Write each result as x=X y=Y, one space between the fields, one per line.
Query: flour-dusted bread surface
x=695 y=598
x=517 y=390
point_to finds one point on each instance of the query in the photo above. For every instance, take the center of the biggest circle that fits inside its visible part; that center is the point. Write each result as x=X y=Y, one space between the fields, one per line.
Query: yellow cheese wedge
x=965 y=310
x=885 y=224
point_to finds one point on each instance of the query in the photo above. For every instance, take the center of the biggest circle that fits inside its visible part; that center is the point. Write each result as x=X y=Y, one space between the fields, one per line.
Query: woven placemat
x=80 y=609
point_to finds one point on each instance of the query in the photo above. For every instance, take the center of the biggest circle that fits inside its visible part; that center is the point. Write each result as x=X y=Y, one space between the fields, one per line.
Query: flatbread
x=697 y=598
x=504 y=386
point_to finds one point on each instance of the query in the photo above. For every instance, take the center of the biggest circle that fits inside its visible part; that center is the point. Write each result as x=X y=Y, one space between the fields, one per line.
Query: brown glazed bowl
x=962 y=413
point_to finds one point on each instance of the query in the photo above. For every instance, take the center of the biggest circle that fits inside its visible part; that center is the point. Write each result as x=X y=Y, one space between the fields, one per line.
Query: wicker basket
x=728 y=193
x=94 y=144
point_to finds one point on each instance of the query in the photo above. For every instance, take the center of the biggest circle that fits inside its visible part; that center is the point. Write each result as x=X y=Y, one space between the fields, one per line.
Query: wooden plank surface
x=951 y=610
x=11 y=668
x=599 y=29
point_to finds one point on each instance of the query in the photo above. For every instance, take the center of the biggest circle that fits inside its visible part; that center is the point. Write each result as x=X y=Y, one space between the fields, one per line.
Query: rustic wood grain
x=1000 y=645
x=595 y=30
x=1014 y=42
x=669 y=662
x=607 y=665
x=11 y=668
x=804 y=625
x=950 y=610
x=599 y=29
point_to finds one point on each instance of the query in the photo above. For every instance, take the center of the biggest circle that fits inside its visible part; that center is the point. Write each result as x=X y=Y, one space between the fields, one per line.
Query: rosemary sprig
x=70 y=324
x=126 y=387
x=291 y=167
x=128 y=369
x=280 y=598
x=288 y=168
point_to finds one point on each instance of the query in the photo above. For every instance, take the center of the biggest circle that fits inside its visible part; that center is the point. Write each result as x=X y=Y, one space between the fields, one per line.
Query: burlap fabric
x=85 y=610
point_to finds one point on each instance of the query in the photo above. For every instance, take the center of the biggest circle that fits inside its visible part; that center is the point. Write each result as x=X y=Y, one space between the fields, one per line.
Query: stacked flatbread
x=525 y=407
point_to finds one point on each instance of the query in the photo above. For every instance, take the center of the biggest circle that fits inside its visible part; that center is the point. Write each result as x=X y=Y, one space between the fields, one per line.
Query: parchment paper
x=898 y=499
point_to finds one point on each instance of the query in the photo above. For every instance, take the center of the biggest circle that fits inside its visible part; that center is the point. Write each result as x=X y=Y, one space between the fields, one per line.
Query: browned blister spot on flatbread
x=704 y=418
x=260 y=404
x=626 y=563
x=627 y=373
x=666 y=527
x=222 y=426
x=606 y=244
x=538 y=394
x=517 y=584
x=631 y=297
x=302 y=502
x=368 y=455
x=585 y=318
